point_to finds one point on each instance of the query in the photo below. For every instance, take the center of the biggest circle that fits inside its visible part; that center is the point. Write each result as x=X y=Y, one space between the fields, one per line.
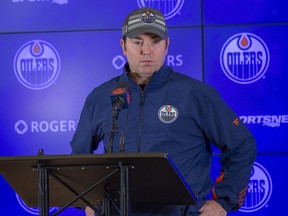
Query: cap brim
x=139 y=31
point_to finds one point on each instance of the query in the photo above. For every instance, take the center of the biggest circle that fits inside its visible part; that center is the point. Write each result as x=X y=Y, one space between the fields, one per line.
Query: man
x=173 y=113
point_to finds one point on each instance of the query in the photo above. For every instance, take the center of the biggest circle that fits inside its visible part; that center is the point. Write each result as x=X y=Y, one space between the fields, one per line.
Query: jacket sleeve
x=238 y=151
x=85 y=141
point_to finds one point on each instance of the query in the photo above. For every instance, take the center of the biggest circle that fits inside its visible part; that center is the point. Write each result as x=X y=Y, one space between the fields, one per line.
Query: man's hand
x=89 y=211
x=212 y=208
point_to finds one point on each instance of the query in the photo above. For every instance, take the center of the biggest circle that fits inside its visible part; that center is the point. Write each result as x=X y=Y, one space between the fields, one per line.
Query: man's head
x=145 y=42
x=145 y=20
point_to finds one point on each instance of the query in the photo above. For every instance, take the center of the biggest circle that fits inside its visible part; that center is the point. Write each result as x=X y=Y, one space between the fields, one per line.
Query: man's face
x=145 y=53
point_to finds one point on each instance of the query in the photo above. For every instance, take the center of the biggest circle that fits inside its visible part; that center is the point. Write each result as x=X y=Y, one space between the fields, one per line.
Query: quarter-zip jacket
x=200 y=117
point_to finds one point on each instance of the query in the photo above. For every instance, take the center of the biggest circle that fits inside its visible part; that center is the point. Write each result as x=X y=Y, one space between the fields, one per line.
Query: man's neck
x=141 y=80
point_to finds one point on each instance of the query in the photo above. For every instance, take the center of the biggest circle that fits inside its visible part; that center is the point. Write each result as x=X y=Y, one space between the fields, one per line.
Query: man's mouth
x=146 y=61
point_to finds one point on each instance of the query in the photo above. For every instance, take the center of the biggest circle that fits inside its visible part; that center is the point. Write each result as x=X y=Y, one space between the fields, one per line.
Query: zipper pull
x=142 y=99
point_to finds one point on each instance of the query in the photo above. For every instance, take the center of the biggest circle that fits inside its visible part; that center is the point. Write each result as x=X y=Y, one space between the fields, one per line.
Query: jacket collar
x=158 y=79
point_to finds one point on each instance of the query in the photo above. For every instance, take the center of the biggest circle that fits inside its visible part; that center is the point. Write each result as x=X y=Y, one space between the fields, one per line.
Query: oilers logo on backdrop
x=167 y=114
x=37 y=64
x=244 y=58
x=259 y=189
x=172 y=7
x=33 y=211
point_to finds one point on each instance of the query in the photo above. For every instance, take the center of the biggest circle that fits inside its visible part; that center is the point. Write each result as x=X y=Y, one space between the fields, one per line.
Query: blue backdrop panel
x=55 y=15
x=50 y=114
x=25 y=15
x=260 y=103
x=244 y=11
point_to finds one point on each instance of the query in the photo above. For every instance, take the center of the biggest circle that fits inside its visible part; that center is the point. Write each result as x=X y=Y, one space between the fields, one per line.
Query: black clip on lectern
x=120 y=180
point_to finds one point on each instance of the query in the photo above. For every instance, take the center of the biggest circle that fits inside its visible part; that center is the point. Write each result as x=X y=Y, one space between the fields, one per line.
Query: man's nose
x=146 y=48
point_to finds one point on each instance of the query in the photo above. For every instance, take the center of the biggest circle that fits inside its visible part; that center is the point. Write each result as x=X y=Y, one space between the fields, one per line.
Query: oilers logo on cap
x=148 y=17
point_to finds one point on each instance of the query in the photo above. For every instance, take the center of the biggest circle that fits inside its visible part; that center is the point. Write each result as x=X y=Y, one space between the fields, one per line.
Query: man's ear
x=123 y=46
x=167 y=44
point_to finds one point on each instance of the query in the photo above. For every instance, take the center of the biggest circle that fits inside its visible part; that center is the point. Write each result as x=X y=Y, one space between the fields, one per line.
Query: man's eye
x=137 y=43
x=156 y=42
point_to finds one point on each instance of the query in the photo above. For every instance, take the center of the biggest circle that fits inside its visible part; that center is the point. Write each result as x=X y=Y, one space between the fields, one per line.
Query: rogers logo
x=171 y=60
x=21 y=126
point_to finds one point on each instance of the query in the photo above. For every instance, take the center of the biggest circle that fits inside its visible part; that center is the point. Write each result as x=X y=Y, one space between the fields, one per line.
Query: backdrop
x=54 y=52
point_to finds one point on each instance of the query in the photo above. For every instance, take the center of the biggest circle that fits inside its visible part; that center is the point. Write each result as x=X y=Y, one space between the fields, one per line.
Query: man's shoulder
x=188 y=80
x=190 y=84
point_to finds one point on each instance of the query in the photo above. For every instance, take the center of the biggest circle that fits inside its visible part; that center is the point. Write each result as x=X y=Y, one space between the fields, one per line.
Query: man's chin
x=148 y=69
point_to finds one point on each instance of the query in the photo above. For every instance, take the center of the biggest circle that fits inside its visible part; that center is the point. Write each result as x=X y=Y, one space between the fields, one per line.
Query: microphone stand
x=124 y=170
x=117 y=105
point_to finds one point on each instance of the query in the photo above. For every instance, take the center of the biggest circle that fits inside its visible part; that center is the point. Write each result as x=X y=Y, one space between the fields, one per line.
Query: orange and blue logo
x=37 y=64
x=167 y=114
x=244 y=58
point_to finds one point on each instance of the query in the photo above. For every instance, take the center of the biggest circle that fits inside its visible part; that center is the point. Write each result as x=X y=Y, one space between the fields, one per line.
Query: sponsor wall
x=54 y=52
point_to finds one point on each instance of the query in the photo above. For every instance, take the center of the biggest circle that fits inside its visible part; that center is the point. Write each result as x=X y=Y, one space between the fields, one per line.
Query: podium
x=123 y=179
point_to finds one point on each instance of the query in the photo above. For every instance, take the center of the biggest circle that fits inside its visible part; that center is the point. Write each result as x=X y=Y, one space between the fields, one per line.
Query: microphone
x=121 y=96
x=120 y=99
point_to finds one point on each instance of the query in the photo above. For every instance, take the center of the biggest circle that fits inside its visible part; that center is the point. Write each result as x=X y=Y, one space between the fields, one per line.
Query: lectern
x=88 y=180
